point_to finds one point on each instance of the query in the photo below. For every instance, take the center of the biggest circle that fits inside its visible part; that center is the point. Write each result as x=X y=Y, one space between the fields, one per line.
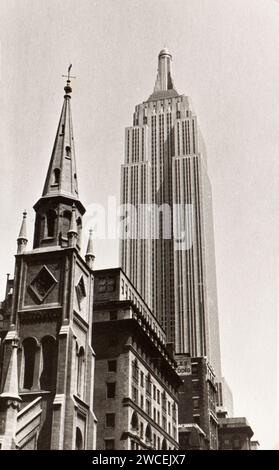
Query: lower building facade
x=136 y=384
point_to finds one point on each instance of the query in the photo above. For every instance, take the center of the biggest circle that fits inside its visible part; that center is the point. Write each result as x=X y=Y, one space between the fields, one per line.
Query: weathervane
x=69 y=76
x=68 y=88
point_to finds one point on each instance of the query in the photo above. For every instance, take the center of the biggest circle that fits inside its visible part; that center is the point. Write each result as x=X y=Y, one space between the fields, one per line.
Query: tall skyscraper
x=167 y=250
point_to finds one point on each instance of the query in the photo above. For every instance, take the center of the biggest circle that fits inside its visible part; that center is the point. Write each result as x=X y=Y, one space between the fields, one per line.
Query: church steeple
x=54 y=208
x=164 y=86
x=61 y=176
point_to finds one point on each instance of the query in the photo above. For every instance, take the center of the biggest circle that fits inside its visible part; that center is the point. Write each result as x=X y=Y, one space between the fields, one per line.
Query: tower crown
x=164 y=86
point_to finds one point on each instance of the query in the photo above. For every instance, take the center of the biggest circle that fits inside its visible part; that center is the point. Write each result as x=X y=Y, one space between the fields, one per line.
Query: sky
x=226 y=59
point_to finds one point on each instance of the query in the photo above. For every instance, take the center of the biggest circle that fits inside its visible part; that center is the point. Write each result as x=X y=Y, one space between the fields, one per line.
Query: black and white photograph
x=139 y=228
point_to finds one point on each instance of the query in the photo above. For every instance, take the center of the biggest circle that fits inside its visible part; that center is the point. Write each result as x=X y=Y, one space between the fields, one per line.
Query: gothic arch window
x=48 y=358
x=79 y=228
x=50 y=220
x=29 y=349
x=135 y=421
x=68 y=151
x=79 y=439
x=164 y=444
x=148 y=434
x=80 y=370
x=56 y=176
x=67 y=215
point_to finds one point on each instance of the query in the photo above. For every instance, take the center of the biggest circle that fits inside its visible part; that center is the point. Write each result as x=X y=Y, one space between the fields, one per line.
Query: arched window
x=68 y=151
x=148 y=434
x=67 y=215
x=79 y=439
x=56 y=176
x=50 y=219
x=49 y=359
x=80 y=370
x=164 y=444
x=135 y=421
x=79 y=228
x=29 y=348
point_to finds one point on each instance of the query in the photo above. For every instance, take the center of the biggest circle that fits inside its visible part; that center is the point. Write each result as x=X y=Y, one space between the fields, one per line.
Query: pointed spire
x=11 y=383
x=90 y=257
x=61 y=178
x=73 y=230
x=22 y=237
x=164 y=86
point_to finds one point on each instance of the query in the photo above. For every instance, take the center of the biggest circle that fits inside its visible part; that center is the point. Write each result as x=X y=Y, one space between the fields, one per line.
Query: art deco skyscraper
x=173 y=266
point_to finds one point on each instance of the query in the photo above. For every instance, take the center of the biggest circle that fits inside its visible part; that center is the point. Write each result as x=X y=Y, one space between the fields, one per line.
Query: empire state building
x=165 y=168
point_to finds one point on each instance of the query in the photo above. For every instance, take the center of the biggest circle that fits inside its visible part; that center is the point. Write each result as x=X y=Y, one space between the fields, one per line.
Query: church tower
x=48 y=402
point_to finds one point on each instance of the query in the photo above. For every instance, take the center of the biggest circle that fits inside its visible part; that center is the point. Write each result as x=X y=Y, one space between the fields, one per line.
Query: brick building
x=197 y=403
x=136 y=385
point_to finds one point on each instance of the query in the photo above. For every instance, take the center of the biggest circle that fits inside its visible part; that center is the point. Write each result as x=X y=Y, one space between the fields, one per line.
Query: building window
x=112 y=365
x=49 y=361
x=142 y=379
x=68 y=151
x=56 y=176
x=148 y=384
x=164 y=423
x=80 y=371
x=141 y=430
x=142 y=402
x=109 y=444
x=148 y=434
x=154 y=392
x=113 y=315
x=79 y=439
x=135 y=394
x=164 y=402
x=195 y=404
x=194 y=369
x=135 y=421
x=29 y=348
x=50 y=219
x=111 y=386
x=135 y=370
x=197 y=420
x=148 y=407
x=158 y=396
x=110 y=420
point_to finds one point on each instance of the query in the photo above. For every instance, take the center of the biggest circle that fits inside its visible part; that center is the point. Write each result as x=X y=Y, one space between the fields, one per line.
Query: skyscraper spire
x=164 y=87
x=61 y=176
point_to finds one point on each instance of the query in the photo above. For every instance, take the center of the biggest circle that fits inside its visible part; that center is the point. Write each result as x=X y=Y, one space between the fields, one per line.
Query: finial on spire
x=68 y=88
x=90 y=257
x=22 y=237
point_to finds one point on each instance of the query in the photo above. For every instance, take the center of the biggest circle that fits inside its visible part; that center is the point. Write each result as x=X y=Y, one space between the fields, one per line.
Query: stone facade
x=136 y=386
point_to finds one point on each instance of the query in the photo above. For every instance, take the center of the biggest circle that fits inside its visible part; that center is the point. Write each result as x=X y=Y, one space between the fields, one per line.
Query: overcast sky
x=226 y=58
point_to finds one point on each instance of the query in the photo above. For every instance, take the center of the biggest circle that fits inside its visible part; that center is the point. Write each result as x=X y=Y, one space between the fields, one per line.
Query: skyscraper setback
x=173 y=266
